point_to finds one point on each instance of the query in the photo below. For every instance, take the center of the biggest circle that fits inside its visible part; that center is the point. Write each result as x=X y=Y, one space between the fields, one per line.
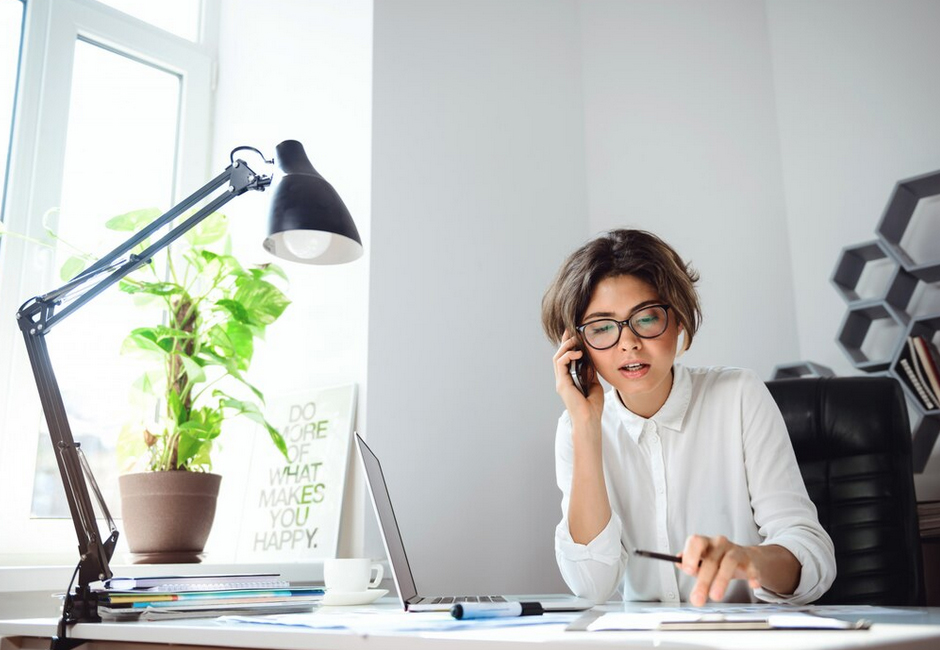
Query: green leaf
x=277 y=439
x=251 y=411
x=232 y=341
x=236 y=309
x=220 y=343
x=229 y=264
x=194 y=371
x=242 y=343
x=265 y=302
x=209 y=230
x=142 y=340
x=153 y=288
x=196 y=436
x=264 y=270
x=132 y=221
x=250 y=387
x=193 y=438
x=72 y=267
x=202 y=458
x=163 y=332
x=234 y=373
x=174 y=405
x=208 y=357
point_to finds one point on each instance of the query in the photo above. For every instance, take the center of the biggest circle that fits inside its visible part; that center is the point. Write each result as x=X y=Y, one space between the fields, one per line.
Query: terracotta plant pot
x=168 y=515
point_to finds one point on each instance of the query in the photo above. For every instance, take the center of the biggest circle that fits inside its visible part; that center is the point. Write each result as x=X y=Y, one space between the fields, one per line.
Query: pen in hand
x=658 y=556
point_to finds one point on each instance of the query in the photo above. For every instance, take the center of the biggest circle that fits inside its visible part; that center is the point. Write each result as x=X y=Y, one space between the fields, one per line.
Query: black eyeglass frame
x=620 y=324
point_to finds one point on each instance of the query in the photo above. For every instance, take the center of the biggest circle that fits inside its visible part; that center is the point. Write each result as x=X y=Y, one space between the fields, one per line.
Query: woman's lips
x=634 y=370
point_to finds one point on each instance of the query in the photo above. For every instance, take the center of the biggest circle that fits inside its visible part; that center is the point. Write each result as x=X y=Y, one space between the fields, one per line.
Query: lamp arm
x=38 y=315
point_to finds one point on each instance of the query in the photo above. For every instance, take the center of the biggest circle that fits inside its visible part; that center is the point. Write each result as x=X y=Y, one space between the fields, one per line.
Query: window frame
x=34 y=184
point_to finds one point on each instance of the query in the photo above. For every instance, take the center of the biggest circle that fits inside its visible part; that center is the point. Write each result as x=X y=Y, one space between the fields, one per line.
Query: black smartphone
x=582 y=374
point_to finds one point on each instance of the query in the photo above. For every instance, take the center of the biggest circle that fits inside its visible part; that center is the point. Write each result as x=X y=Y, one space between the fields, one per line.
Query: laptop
x=411 y=600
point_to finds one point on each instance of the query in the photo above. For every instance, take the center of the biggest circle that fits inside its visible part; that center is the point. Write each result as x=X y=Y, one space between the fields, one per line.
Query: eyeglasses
x=648 y=323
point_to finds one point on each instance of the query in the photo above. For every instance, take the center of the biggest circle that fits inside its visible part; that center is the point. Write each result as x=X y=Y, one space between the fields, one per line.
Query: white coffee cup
x=351 y=574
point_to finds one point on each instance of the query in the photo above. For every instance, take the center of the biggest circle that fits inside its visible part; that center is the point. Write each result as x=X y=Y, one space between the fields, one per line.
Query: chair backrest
x=853 y=445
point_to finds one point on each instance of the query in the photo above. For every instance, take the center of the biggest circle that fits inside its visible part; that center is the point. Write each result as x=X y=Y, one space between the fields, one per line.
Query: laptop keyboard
x=466 y=599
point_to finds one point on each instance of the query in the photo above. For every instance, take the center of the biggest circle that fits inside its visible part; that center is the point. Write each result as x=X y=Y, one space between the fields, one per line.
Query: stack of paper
x=131 y=599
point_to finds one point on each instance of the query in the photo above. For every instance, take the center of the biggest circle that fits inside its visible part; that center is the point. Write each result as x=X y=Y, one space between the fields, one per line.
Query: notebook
x=411 y=600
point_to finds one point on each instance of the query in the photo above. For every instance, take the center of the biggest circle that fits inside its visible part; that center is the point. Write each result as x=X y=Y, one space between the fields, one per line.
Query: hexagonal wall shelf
x=856 y=335
x=852 y=264
x=879 y=320
x=910 y=224
x=900 y=290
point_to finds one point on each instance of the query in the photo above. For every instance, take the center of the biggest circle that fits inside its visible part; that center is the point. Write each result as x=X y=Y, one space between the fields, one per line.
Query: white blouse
x=716 y=459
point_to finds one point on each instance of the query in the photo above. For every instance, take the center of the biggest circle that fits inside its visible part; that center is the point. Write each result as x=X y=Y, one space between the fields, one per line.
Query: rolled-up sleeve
x=783 y=511
x=592 y=571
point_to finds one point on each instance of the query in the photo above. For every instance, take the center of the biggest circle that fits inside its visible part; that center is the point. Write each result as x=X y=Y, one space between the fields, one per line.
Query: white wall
x=681 y=138
x=478 y=192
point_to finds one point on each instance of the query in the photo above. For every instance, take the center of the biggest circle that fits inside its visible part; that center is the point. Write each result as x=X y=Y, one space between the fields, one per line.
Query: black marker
x=495 y=610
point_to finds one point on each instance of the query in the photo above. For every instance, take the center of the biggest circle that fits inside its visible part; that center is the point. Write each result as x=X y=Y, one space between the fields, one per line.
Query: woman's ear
x=681 y=345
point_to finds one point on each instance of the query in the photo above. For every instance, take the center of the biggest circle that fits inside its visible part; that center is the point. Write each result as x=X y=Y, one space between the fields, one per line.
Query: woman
x=670 y=458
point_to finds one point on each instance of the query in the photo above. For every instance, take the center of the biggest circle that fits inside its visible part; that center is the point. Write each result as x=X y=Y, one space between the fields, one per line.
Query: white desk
x=910 y=629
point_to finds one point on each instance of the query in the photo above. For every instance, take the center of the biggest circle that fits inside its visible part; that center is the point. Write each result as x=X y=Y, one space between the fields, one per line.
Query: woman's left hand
x=715 y=562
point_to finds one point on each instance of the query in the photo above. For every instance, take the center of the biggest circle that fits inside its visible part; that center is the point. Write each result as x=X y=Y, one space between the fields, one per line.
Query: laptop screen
x=401 y=571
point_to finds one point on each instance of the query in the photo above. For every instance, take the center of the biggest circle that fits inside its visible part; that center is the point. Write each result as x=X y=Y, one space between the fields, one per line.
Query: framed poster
x=293 y=507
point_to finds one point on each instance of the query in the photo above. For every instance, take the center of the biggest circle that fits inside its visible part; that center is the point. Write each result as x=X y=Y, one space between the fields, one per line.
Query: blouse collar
x=670 y=415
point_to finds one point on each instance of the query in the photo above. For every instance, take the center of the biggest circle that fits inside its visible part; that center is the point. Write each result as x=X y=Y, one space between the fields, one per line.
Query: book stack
x=919 y=368
x=201 y=596
x=929 y=514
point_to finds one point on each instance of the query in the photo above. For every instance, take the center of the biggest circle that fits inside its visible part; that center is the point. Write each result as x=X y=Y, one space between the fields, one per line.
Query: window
x=93 y=376
x=131 y=132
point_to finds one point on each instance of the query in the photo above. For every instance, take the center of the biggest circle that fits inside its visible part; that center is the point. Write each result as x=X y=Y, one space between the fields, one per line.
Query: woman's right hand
x=585 y=411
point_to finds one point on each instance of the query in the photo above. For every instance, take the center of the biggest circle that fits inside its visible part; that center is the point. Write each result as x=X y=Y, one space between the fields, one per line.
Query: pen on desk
x=658 y=556
x=495 y=610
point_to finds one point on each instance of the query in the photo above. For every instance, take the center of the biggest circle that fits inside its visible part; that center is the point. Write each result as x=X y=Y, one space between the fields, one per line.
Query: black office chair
x=853 y=445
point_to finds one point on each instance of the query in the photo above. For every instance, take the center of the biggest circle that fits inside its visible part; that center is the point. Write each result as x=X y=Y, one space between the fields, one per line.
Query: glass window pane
x=120 y=156
x=11 y=24
x=180 y=17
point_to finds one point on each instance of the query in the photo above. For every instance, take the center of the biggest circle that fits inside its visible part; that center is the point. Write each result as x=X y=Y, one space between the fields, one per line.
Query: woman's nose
x=629 y=340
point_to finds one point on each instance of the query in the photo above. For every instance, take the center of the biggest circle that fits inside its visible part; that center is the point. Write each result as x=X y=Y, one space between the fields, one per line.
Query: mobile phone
x=581 y=374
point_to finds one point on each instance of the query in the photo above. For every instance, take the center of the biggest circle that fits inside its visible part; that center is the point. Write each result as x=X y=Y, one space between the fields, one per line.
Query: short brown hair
x=612 y=254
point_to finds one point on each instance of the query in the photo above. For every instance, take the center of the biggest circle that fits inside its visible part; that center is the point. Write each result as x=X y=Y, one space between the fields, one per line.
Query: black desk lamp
x=308 y=223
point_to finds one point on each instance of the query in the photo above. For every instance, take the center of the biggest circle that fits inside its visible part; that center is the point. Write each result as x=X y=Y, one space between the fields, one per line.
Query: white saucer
x=341 y=598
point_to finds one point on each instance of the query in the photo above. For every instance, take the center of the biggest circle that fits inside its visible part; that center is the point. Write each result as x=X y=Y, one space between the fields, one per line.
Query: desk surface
x=912 y=628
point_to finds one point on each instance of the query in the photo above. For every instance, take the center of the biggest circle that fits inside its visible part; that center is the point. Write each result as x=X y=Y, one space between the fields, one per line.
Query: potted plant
x=216 y=308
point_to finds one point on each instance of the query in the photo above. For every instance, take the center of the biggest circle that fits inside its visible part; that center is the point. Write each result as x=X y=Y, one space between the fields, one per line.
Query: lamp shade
x=308 y=222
